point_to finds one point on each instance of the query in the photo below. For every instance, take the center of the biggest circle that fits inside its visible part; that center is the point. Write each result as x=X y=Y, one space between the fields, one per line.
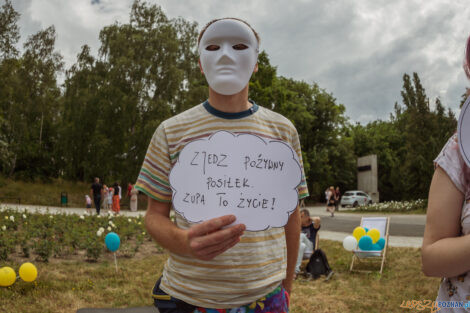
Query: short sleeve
x=302 y=188
x=153 y=177
x=450 y=160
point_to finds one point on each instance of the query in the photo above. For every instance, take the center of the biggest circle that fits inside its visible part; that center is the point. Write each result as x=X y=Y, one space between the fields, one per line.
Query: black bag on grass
x=318 y=264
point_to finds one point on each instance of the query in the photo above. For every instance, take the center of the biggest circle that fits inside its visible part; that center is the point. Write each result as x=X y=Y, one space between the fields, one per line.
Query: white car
x=355 y=198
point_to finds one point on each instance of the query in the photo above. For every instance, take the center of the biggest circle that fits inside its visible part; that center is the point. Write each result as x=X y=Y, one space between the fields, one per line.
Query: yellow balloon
x=374 y=233
x=358 y=232
x=28 y=272
x=7 y=276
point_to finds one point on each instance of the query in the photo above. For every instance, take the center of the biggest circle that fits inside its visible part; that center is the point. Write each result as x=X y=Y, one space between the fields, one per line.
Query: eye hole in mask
x=239 y=46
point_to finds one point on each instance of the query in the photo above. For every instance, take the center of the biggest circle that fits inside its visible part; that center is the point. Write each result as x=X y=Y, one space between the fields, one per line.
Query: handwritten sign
x=463 y=131
x=245 y=175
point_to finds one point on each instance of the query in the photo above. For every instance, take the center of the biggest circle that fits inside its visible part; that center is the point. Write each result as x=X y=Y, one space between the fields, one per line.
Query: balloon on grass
x=7 y=276
x=349 y=243
x=28 y=272
x=112 y=241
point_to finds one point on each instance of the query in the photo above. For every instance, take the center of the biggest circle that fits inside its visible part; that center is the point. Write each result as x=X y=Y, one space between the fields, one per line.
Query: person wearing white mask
x=213 y=265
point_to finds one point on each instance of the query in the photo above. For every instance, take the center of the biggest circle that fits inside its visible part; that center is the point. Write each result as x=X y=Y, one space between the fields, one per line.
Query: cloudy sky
x=357 y=50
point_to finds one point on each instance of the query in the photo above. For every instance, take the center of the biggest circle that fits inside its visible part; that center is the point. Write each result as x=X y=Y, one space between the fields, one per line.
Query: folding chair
x=382 y=224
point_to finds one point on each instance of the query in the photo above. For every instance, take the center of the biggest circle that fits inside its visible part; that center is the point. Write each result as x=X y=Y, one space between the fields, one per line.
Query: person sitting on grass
x=309 y=229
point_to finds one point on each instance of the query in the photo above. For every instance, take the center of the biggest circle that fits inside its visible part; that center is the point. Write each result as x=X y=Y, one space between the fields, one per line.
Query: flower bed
x=62 y=235
x=396 y=206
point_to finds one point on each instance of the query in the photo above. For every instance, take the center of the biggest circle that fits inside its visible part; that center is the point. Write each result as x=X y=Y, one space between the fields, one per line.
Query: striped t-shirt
x=257 y=264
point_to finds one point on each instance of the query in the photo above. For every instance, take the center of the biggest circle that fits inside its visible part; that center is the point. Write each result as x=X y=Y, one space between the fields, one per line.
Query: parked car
x=355 y=198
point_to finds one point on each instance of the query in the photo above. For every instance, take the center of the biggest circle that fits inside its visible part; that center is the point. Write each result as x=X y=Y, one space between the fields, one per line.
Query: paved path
x=405 y=230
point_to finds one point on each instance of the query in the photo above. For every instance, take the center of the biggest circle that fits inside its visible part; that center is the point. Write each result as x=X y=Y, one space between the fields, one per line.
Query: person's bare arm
x=444 y=252
x=316 y=222
x=292 y=230
x=203 y=241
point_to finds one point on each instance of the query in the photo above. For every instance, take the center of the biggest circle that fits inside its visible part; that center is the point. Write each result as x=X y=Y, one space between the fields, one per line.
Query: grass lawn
x=65 y=285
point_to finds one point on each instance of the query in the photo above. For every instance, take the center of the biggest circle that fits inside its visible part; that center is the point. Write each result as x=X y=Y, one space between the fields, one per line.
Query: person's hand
x=207 y=239
x=287 y=285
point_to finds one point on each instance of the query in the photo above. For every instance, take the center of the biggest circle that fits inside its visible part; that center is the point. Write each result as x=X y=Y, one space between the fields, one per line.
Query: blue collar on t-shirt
x=230 y=116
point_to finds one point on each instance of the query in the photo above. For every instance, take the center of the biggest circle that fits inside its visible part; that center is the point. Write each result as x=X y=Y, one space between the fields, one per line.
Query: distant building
x=367 y=178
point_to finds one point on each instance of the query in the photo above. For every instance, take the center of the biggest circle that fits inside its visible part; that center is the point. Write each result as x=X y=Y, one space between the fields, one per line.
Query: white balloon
x=350 y=243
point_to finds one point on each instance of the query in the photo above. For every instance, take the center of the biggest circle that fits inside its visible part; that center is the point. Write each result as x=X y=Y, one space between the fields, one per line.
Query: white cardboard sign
x=240 y=174
x=463 y=131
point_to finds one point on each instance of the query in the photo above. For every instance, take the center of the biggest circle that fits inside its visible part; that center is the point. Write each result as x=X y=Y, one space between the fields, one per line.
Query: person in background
x=88 y=204
x=105 y=198
x=309 y=229
x=337 y=198
x=129 y=190
x=96 y=192
x=330 y=205
x=116 y=199
x=110 y=199
x=133 y=201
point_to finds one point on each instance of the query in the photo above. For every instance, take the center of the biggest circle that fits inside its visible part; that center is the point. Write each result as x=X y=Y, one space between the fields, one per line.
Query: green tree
x=327 y=154
x=34 y=114
x=146 y=72
x=9 y=36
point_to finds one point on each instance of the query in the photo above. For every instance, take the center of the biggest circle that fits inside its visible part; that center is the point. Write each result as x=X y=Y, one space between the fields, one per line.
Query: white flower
x=110 y=216
x=4 y=227
x=24 y=216
x=98 y=233
x=139 y=223
x=12 y=218
x=50 y=216
x=110 y=222
x=101 y=229
x=98 y=216
x=143 y=233
x=109 y=228
x=129 y=220
x=82 y=217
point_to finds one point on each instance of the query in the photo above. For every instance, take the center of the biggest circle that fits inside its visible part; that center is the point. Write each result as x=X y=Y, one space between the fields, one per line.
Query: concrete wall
x=367 y=176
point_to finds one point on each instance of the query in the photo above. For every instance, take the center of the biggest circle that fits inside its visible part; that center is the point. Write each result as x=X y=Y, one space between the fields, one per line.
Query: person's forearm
x=166 y=233
x=292 y=230
x=447 y=257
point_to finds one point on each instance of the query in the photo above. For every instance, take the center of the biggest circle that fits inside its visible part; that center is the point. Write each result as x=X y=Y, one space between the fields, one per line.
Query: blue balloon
x=112 y=241
x=376 y=247
x=381 y=243
x=365 y=243
x=367 y=229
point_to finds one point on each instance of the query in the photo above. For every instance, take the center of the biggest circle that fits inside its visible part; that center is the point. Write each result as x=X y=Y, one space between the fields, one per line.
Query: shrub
x=44 y=249
x=94 y=249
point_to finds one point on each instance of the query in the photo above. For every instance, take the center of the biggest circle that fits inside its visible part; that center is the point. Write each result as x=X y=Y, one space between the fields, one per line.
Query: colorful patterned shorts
x=276 y=301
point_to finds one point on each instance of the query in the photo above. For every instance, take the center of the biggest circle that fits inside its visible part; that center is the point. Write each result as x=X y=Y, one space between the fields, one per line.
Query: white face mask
x=228 y=52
